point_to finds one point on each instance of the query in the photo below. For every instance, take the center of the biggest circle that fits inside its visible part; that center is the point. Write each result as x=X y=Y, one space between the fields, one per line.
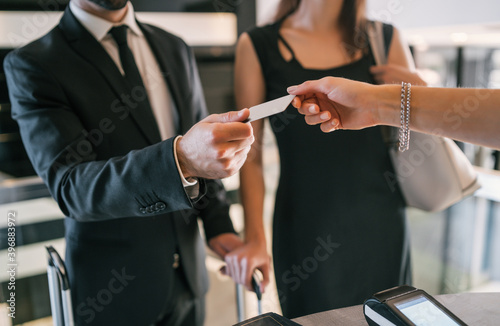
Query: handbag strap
x=377 y=45
x=377 y=42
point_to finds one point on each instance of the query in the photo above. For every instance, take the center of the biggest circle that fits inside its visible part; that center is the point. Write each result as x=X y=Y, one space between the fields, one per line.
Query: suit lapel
x=93 y=52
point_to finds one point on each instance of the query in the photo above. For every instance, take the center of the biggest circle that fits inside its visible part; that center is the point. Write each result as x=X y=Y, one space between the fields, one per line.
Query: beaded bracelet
x=404 y=131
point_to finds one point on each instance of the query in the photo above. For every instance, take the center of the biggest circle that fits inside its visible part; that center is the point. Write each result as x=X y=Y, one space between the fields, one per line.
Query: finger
x=318 y=118
x=232 y=131
x=217 y=248
x=243 y=143
x=310 y=87
x=247 y=276
x=231 y=116
x=309 y=107
x=249 y=285
x=244 y=272
x=378 y=74
x=233 y=264
x=399 y=76
x=265 y=275
x=378 y=69
x=230 y=265
x=239 y=159
x=243 y=153
x=297 y=102
x=330 y=126
x=264 y=282
x=234 y=148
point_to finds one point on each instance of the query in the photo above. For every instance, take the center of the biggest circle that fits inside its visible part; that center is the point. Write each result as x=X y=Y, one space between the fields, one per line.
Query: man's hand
x=217 y=146
x=244 y=260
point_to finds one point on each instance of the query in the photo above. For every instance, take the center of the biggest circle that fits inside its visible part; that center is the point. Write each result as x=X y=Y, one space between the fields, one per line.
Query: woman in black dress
x=332 y=247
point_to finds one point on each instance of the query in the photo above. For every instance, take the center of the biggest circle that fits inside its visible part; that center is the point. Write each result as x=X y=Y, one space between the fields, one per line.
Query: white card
x=269 y=108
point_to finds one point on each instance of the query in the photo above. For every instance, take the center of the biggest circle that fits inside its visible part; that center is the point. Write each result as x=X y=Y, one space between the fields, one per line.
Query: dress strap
x=287 y=45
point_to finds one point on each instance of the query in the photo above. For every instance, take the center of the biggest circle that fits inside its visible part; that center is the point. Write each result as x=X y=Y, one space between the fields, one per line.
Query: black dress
x=339 y=230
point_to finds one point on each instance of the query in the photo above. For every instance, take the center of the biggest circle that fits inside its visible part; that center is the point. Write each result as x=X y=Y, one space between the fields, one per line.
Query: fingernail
x=324 y=116
x=240 y=113
x=335 y=122
x=291 y=89
x=312 y=109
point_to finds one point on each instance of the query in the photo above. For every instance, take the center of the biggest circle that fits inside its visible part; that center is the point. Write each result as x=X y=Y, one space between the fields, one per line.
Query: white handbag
x=434 y=173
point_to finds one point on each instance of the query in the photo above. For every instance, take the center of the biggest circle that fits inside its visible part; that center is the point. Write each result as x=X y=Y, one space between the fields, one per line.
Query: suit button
x=143 y=210
x=149 y=209
x=160 y=206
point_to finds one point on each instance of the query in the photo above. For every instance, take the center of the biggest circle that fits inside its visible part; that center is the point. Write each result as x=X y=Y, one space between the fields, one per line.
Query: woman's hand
x=243 y=261
x=336 y=103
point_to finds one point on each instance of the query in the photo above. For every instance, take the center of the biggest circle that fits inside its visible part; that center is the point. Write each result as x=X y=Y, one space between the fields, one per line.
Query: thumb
x=308 y=87
x=231 y=116
x=265 y=275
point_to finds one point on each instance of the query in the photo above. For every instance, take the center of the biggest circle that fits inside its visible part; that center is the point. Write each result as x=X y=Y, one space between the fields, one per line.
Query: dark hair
x=352 y=22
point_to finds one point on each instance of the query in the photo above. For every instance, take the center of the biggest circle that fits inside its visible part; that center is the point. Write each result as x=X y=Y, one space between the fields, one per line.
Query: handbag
x=434 y=173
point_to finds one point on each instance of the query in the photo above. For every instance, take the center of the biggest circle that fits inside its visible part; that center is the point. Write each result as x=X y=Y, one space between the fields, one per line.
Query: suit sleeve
x=143 y=182
x=212 y=206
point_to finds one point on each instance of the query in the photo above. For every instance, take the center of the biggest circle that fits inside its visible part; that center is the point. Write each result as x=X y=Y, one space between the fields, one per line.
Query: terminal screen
x=422 y=312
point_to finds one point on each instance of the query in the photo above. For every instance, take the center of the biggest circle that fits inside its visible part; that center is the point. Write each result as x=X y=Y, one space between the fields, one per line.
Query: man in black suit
x=99 y=107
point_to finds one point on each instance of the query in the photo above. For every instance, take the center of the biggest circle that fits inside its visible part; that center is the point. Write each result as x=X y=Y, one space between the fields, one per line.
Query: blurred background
x=456 y=43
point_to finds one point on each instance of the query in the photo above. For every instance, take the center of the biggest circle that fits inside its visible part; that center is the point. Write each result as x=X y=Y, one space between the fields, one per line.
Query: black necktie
x=132 y=74
x=133 y=78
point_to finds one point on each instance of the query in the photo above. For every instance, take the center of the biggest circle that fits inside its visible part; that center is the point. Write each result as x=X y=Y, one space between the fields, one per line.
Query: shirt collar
x=99 y=27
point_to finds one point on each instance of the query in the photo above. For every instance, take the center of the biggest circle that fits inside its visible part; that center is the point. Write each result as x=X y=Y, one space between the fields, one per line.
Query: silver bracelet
x=404 y=131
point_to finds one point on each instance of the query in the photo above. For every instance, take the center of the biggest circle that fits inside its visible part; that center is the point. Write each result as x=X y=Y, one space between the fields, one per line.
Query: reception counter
x=482 y=309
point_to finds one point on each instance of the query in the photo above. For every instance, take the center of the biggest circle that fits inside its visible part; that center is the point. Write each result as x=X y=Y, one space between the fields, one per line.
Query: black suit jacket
x=106 y=167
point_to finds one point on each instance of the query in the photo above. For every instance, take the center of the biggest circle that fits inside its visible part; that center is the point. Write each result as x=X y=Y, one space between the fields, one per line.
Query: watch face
x=421 y=311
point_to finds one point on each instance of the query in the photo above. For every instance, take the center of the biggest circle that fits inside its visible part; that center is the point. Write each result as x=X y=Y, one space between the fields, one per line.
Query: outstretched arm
x=90 y=184
x=470 y=115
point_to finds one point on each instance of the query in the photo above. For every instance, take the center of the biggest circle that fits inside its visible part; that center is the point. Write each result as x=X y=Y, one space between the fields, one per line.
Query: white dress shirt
x=159 y=96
